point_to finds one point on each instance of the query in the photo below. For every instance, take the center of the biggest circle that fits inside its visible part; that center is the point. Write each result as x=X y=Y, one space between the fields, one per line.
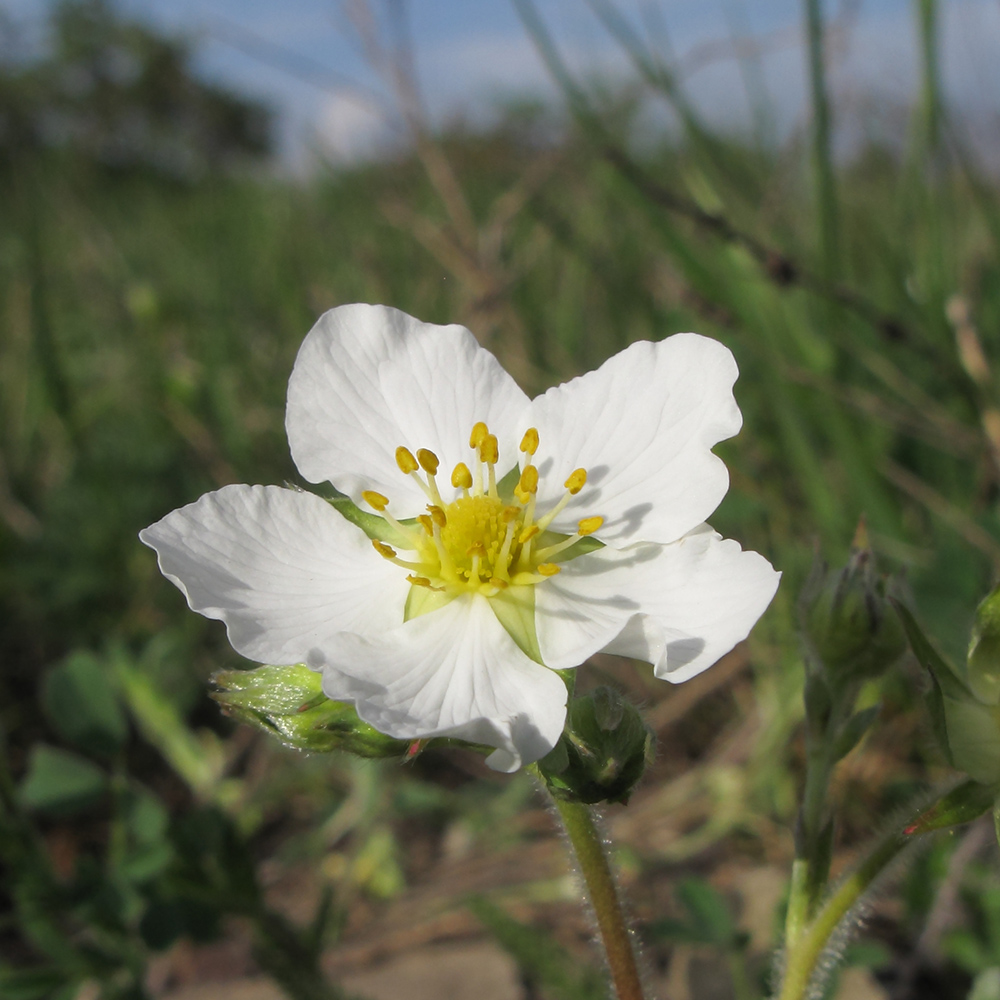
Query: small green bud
x=602 y=753
x=289 y=703
x=984 y=651
x=847 y=620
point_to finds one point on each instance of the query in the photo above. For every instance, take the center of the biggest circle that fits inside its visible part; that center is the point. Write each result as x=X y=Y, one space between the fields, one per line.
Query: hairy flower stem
x=804 y=954
x=811 y=867
x=593 y=861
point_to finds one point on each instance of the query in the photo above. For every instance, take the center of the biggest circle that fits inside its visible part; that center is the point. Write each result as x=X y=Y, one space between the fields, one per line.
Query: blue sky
x=301 y=56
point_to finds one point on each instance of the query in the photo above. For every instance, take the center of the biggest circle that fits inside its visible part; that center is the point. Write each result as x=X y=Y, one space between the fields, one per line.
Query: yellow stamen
x=461 y=478
x=529 y=443
x=428 y=460
x=405 y=460
x=498 y=583
x=489 y=450
x=527 y=484
x=437 y=515
x=385 y=551
x=548 y=569
x=589 y=525
x=419 y=581
x=479 y=432
x=426 y=521
x=375 y=500
x=528 y=534
x=576 y=482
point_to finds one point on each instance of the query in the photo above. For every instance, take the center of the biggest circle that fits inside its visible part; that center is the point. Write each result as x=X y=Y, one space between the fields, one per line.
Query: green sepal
x=973 y=732
x=984 y=650
x=422 y=601
x=289 y=703
x=963 y=804
x=603 y=751
x=372 y=525
x=515 y=610
x=944 y=674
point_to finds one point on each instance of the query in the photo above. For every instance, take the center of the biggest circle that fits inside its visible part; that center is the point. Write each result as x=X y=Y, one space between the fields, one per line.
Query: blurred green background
x=157 y=275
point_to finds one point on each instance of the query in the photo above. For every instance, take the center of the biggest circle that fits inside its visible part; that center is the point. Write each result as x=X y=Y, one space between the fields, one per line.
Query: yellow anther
x=489 y=449
x=385 y=551
x=405 y=460
x=528 y=534
x=577 y=480
x=426 y=521
x=529 y=443
x=548 y=569
x=479 y=432
x=495 y=581
x=528 y=483
x=428 y=460
x=509 y=514
x=419 y=581
x=461 y=478
x=374 y=499
x=476 y=549
x=589 y=525
x=437 y=515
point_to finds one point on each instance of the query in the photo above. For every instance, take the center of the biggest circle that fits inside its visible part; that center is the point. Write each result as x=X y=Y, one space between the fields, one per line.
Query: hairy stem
x=803 y=955
x=601 y=889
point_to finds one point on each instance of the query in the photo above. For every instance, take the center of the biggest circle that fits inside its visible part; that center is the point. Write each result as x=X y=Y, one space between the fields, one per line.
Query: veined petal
x=643 y=426
x=580 y=611
x=368 y=379
x=453 y=672
x=282 y=569
x=699 y=597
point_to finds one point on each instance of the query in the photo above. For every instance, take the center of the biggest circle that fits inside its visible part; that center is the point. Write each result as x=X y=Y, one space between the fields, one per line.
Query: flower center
x=480 y=541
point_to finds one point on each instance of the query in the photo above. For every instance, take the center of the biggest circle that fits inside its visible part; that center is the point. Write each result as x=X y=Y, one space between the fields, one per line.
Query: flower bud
x=602 y=753
x=983 y=673
x=289 y=703
x=849 y=626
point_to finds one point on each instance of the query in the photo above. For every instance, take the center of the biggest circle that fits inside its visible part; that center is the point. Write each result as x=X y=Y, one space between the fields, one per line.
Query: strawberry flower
x=489 y=539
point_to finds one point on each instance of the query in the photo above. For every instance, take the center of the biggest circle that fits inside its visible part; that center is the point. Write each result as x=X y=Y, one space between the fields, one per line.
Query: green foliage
x=60 y=781
x=115 y=92
x=542 y=960
x=146 y=332
x=81 y=702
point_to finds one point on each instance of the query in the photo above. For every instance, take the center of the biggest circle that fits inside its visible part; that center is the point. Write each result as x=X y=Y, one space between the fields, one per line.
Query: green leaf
x=855 y=728
x=81 y=702
x=60 y=781
x=963 y=804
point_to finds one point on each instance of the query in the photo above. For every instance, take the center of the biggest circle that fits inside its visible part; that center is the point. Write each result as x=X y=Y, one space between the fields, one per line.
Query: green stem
x=803 y=954
x=593 y=861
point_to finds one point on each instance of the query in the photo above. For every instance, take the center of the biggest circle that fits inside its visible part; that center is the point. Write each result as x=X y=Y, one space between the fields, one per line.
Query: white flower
x=555 y=528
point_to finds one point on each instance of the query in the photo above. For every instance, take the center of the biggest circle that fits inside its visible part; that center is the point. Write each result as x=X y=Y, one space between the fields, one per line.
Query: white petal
x=700 y=597
x=368 y=379
x=282 y=569
x=453 y=672
x=642 y=426
x=583 y=608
